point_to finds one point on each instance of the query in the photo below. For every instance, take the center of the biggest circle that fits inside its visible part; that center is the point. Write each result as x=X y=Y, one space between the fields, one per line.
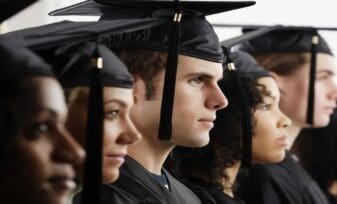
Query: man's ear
x=139 y=89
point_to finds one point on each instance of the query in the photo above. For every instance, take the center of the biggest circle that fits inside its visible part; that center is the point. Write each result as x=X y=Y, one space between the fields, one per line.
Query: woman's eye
x=111 y=114
x=38 y=130
x=265 y=106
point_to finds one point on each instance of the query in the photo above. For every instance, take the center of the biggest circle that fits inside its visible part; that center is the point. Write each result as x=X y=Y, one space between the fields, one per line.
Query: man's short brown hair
x=282 y=64
x=144 y=63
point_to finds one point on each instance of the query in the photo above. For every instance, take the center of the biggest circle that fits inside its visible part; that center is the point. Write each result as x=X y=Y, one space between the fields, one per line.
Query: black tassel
x=312 y=76
x=165 y=126
x=246 y=157
x=93 y=164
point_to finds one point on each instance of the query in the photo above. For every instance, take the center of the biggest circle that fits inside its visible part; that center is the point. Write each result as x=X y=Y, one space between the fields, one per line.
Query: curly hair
x=225 y=147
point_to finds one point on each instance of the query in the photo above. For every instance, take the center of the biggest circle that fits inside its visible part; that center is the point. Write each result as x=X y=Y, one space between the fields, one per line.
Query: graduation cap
x=295 y=39
x=93 y=65
x=240 y=62
x=77 y=63
x=188 y=34
x=57 y=34
x=291 y=39
x=17 y=63
x=9 y=8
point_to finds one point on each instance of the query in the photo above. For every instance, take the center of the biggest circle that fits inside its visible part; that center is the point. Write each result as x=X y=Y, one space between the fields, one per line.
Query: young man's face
x=197 y=98
x=294 y=100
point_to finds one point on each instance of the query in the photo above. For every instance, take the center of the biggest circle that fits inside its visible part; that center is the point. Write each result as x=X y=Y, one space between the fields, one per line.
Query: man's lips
x=62 y=182
x=207 y=122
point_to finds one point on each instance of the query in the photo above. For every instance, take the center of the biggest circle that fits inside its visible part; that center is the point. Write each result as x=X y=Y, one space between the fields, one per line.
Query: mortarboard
x=188 y=34
x=291 y=39
x=60 y=39
x=236 y=63
x=94 y=65
x=9 y=8
x=17 y=63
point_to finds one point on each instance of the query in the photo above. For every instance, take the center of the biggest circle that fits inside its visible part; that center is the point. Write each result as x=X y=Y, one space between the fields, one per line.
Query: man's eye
x=196 y=80
x=111 y=114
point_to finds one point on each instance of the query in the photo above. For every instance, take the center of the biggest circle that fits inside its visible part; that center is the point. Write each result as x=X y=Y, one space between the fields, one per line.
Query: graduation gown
x=285 y=182
x=110 y=194
x=141 y=184
x=211 y=193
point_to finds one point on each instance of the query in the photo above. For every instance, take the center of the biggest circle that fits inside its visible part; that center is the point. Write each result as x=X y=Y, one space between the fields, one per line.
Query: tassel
x=312 y=76
x=166 y=112
x=93 y=164
x=246 y=157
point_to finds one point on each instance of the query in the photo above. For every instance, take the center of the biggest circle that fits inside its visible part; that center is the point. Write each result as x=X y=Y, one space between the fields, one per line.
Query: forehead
x=115 y=94
x=326 y=62
x=45 y=93
x=271 y=85
x=190 y=65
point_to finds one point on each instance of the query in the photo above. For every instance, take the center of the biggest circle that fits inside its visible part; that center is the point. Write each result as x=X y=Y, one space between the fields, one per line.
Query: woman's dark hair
x=317 y=152
x=224 y=148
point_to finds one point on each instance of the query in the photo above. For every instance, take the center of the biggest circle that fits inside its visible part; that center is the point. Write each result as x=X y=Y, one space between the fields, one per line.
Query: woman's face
x=269 y=138
x=294 y=98
x=39 y=168
x=119 y=131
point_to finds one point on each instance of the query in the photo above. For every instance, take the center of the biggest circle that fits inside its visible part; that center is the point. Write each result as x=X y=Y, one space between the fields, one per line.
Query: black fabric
x=162 y=179
x=287 y=39
x=110 y=194
x=141 y=184
x=141 y=8
x=282 y=183
x=197 y=37
x=74 y=62
x=214 y=194
x=62 y=33
x=10 y=7
x=18 y=62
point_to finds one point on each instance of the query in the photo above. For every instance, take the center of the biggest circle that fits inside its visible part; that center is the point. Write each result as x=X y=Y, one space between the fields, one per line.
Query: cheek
x=111 y=132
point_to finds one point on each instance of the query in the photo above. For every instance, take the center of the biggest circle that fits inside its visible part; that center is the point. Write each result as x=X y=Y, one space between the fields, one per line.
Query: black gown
x=144 y=187
x=283 y=183
x=110 y=194
x=214 y=193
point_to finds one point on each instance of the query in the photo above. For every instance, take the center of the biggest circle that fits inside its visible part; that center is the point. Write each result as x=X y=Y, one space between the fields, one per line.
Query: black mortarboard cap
x=94 y=65
x=294 y=39
x=236 y=63
x=18 y=62
x=57 y=34
x=188 y=33
x=9 y=8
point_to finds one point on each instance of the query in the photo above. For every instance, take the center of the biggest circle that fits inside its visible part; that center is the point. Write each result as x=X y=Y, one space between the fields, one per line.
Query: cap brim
x=98 y=7
x=58 y=34
x=285 y=27
x=8 y=8
x=227 y=44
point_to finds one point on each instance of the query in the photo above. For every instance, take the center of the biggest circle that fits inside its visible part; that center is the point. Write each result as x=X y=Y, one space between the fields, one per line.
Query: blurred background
x=265 y=12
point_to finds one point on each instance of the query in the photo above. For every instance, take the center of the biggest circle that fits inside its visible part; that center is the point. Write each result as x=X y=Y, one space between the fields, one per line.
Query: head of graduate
x=196 y=95
x=74 y=62
x=37 y=152
x=212 y=163
x=305 y=69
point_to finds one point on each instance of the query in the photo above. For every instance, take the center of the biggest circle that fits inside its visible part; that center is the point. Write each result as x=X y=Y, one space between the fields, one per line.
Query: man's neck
x=293 y=131
x=150 y=153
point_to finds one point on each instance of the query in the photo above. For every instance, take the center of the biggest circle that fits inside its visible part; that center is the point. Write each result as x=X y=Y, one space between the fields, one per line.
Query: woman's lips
x=118 y=159
x=62 y=183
